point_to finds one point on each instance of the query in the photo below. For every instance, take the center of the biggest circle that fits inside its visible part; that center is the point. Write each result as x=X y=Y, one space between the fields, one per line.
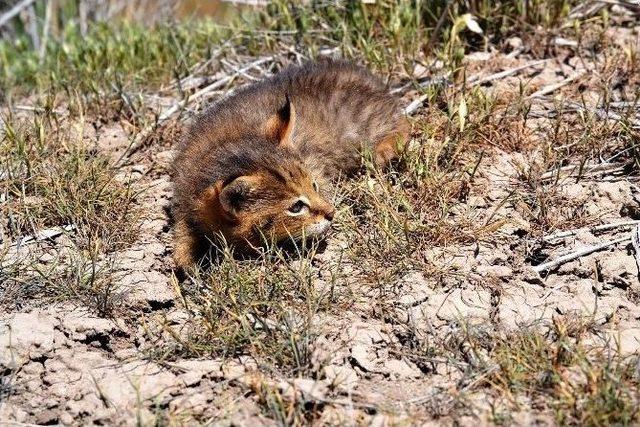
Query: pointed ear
x=280 y=126
x=238 y=194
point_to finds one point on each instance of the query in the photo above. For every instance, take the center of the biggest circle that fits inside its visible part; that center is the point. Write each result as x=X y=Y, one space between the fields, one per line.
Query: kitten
x=255 y=167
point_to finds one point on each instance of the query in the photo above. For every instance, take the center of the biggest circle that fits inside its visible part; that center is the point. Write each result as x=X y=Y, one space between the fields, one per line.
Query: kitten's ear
x=280 y=126
x=238 y=194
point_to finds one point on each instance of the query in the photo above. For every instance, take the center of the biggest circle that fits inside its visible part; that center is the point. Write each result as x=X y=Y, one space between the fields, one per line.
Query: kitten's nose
x=329 y=214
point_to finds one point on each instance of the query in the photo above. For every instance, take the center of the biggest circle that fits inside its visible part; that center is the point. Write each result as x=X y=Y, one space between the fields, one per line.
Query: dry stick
x=436 y=30
x=415 y=104
x=33 y=27
x=626 y=4
x=83 y=12
x=49 y=233
x=36 y=109
x=635 y=241
x=422 y=83
x=552 y=88
x=235 y=69
x=45 y=31
x=577 y=254
x=14 y=11
x=601 y=167
x=137 y=142
x=582 y=11
x=199 y=67
x=602 y=113
x=474 y=81
x=624 y=104
x=595 y=229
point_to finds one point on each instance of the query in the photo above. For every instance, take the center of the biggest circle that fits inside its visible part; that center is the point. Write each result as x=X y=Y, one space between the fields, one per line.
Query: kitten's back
x=341 y=108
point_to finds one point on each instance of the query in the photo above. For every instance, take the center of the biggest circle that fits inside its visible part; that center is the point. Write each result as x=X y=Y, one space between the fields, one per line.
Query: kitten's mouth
x=312 y=232
x=318 y=229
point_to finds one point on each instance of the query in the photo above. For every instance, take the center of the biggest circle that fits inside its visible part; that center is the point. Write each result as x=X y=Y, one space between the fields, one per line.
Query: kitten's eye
x=298 y=208
x=315 y=186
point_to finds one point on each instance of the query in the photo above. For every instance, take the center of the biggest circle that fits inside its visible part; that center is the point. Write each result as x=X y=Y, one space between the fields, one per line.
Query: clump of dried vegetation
x=57 y=89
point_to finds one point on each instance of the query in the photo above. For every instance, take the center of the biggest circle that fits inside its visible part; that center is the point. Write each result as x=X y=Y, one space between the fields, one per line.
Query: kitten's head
x=271 y=196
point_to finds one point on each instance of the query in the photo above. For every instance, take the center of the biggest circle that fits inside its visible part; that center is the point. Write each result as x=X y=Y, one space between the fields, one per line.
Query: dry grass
x=53 y=179
x=264 y=307
x=581 y=385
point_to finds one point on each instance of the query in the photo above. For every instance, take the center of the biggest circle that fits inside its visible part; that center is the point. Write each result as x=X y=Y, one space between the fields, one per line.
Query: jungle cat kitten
x=253 y=166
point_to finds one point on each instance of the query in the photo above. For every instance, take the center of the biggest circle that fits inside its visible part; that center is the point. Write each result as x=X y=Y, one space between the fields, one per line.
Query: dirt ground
x=64 y=365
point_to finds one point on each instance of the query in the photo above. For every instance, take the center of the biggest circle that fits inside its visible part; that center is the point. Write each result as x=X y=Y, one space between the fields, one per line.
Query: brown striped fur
x=247 y=160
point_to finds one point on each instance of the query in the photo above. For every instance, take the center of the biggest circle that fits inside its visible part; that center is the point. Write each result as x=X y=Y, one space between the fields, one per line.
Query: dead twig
x=49 y=233
x=33 y=27
x=38 y=110
x=635 y=241
x=584 y=10
x=552 y=88
x=587 y=250
x=422 y=83
x=581 y=170
x=595 y=229
x=626 y=4
x=45 y=31
x=415 y=104
x=15 y=10
x=603 y=113
x=472 y=81
x=477 y=80
x=436 y=30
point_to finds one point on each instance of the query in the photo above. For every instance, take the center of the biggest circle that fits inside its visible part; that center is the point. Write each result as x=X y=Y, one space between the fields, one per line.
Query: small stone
x=366 y=334
x=531 y=276
x=382 y=420
x=629 y=340
x=82 y=327
x=66 y=419
x=310 y=388
x=498 y=271
x=47 y=417
x=12 y=412
x=125 y=353
x=233 y=370
x=177 y=317
x=164 y=158
x=479 y=56
x=158 y=290
x=619 y=270
x=401 y=369
x=33 y=369
x=196 y=401
x=139 y=169
x=134 y=254
x=420 y=70
x=25 y=336
x=156 y=248
x=340 y=376
x=191 y=378
x=514 y=43
x=46 y=257
x=361 y=357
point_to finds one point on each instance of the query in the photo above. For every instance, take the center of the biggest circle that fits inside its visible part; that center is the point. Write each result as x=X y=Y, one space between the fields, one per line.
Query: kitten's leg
x=393 y=143
x=185 y=246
